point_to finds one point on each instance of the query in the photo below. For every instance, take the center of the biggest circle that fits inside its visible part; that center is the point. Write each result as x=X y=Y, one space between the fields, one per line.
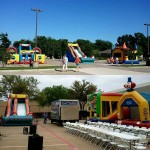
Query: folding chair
x=105 y=141
x=122 y=144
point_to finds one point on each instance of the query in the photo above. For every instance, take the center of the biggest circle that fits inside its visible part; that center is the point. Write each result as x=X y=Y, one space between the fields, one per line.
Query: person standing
x=77 y=61
x=65 y=63
x=31 y=62
x=117 y=60
x=45 y=118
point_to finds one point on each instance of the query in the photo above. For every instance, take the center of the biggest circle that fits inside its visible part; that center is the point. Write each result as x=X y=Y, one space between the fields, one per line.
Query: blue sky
x=74 y=19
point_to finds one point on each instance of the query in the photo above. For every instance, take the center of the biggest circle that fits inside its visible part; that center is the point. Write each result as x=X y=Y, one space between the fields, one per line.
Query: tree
x=100 y=46
x=45 y=44
x=64 y=46
x=86 y=46
x=79 y=90
x=139 y=39
x=96 y=54
x=41 y=98
x=50 y=94
x=103 y=45
x=142 y=43
x=18 y=85
x=52 y=47
x=4 y=57
x=5 y=42
x=22 y=41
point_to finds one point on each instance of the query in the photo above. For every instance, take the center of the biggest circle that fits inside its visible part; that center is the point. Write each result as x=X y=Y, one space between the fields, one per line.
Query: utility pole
x=36 y=25
x=148 y=54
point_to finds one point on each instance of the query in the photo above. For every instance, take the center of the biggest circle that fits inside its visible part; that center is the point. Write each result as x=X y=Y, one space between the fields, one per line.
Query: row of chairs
x=123 y=128
x=142 y=132
x=102 y=140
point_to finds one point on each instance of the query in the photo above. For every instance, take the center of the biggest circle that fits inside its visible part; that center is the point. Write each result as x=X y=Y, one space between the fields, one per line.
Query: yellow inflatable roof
x=71 y=44
x=18 y=95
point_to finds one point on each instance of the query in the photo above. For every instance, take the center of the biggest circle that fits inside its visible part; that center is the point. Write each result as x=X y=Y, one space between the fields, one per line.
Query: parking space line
x=56 y=145
x=73 y=147
x=5 y=138
x=2 y=147
x=12 y=146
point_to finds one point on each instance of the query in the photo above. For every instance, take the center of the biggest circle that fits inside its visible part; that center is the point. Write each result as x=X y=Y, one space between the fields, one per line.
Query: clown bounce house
x=138 y=105
x=129 y=108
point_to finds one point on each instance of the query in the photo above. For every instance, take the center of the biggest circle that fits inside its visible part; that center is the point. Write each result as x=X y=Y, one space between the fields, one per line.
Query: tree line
x=57 y=48
x=29 y=85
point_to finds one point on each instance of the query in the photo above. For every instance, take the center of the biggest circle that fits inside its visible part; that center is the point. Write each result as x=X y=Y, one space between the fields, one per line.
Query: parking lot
x=98 y=68
x=54 y=137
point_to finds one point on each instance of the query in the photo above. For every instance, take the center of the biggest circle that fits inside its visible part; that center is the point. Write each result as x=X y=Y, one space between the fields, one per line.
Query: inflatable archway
x=12 y=49
x=134 y=100
x=37 y=49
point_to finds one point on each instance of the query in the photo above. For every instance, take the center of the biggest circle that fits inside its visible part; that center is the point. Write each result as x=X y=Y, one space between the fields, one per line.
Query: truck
x=64 y=110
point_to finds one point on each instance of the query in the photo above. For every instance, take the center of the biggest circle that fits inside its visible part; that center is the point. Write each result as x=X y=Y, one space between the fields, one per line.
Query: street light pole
x=148 y=59
x=147 y=36
x=36 y=25
x=36 y=10
x=53 y=50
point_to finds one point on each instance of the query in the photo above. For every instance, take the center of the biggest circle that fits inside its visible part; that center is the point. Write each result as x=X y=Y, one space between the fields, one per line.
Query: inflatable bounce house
x=24 y=54
x=105 y=105
x=18 y=111
x=138 y=105
x=75 y=51
x=130 y=108
x=120 y=53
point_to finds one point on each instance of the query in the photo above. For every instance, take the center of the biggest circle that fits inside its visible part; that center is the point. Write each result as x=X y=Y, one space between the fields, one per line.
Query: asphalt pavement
x=98 y=68
x=54 y=138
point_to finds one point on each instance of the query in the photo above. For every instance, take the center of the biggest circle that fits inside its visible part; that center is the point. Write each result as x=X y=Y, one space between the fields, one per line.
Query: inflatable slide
x=17 y=110
x=75 y=51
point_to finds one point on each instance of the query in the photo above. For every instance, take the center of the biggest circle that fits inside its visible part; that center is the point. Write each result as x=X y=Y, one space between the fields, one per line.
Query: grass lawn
x=31 y=68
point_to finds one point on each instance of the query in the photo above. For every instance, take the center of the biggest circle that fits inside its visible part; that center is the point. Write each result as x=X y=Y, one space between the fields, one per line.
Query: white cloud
x=104 y=82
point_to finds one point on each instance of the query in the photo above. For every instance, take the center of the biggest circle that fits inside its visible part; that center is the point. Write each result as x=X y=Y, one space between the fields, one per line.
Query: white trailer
x=64 y=110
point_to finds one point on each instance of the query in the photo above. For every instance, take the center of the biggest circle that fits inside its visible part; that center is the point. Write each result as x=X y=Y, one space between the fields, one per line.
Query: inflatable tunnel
x=109 y=103
x=18 y=111
x=138 y=104
x=75 y=51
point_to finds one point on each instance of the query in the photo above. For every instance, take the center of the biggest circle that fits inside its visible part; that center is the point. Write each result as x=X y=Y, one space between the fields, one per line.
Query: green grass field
x=31 y=68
